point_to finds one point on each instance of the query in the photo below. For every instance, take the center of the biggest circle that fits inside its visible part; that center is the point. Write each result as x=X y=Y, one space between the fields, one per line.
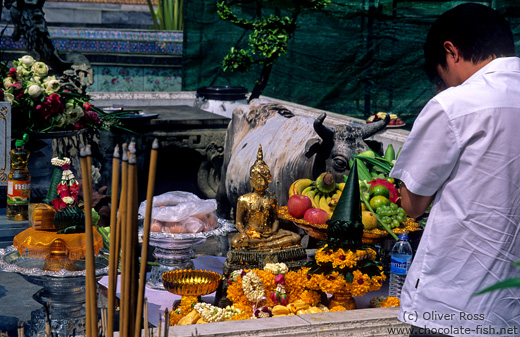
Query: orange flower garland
x=341 y=259
x=335 y=282
x=186 y=305
x=390 y=302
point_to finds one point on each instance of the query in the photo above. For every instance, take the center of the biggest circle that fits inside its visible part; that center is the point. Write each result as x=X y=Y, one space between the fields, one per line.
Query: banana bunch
x=324 y=192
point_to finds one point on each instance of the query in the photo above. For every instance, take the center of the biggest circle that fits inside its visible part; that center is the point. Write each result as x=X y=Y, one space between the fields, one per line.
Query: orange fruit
x=378 y=201
x=369 y=220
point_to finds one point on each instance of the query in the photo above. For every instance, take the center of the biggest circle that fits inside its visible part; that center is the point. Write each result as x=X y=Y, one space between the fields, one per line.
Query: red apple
x=316 y=216
x=298 y=204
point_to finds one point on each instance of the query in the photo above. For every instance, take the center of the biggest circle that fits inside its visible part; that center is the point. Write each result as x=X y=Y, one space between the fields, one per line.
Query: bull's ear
x=312 y=147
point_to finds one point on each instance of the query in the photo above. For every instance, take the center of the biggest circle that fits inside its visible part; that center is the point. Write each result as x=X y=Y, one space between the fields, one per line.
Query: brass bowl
x=191 y=282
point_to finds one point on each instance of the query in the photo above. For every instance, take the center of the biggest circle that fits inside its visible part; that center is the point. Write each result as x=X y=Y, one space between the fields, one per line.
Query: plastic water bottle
x=401 y=259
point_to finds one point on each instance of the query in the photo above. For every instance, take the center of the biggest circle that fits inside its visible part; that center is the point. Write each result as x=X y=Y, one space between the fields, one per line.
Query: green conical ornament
x=345 y=228
x=349 y=206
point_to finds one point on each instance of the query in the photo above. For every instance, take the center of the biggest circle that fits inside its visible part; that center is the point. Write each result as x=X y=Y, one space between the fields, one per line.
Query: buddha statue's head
x=260 y=175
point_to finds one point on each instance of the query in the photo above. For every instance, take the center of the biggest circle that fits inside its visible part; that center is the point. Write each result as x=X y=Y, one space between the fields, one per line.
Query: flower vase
x=344 y=299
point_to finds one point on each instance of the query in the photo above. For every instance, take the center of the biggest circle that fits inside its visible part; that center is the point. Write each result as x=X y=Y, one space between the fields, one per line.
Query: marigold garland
x=185 y=306
x=175 y=316
x=335 y=282
x=311 y=297
x=390 y=302
x=343 y=259
x=294 y=285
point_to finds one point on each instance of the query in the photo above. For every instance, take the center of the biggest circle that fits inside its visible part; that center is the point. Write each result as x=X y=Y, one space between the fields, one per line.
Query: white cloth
x=465 y=147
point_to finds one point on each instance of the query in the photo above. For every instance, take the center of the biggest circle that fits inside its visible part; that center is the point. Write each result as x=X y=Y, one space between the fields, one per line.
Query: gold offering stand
x=56 y=262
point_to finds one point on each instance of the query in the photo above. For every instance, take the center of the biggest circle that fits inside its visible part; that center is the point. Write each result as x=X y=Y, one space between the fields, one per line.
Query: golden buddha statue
x=257 y=214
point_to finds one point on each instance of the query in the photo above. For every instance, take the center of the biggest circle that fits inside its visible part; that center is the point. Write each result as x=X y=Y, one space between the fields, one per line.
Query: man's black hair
x=478 y=31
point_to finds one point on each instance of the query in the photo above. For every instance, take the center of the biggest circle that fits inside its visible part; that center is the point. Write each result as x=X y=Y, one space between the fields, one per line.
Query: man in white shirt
x=463 y=154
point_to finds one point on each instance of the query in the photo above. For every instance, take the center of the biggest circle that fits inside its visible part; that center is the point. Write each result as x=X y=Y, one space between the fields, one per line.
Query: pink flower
x=74 y=190
x=279 y=279
x=63 y=190
x=275 y=296
x=12 y=72
x=50 y=106
x=17 y=85
x=78 y=126
x=92 y=117
x=87 y=106
x=283 y=299
x=264 y=312
x=58 y=204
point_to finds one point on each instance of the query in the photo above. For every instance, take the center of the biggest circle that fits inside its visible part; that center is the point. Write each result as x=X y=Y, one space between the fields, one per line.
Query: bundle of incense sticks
x=124 y=244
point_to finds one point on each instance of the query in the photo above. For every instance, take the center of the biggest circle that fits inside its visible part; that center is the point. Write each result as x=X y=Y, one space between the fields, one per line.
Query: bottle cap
x=23 y=141
x=403 y=236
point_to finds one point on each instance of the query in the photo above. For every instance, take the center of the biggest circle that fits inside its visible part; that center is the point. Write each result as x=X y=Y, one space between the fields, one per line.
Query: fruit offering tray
x=319 y=231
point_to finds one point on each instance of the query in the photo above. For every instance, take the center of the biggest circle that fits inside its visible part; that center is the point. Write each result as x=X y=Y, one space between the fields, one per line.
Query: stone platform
x=358 y=323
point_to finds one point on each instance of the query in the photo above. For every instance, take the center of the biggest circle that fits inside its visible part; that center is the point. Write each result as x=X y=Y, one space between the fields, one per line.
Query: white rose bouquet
x=40 y=105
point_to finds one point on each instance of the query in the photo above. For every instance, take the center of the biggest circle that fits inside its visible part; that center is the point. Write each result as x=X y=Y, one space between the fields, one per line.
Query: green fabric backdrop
x=354 y=58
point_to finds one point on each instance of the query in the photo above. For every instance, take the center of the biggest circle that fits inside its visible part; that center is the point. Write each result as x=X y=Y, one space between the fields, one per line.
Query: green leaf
x=349 y=277
x=509 y=283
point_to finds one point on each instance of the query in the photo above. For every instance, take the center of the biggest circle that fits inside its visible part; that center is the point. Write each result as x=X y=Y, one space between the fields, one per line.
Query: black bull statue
x=294 y=147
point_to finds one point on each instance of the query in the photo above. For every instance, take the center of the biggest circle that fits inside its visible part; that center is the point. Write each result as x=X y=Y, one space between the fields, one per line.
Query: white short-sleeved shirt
x=465 y=148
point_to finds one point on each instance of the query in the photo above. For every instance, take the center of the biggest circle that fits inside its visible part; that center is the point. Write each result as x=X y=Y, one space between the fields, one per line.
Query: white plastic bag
x=181 y=212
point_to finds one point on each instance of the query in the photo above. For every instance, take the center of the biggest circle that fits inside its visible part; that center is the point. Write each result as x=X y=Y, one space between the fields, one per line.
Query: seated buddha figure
x=257 y=214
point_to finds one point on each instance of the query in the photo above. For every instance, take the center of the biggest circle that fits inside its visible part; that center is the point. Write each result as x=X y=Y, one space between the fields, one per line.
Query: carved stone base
x=236 y=259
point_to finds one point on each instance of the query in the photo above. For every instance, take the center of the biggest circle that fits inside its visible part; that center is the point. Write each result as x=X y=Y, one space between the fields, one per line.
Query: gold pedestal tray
x=319 y=231
x=64 y=289
x=344 y=299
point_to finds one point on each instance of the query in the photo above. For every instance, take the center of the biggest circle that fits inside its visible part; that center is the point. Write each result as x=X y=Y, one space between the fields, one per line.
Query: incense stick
x=130 y=267
x=146 y=326
x=90 y=265
x=104 y=321
x=160 y=323
x=112 y=272
x=123 y=203
x=21 y=329
x=166 y=322
x=146 y=234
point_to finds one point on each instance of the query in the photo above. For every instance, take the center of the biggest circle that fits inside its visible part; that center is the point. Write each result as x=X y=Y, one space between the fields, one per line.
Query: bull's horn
x=372 y=128
x=322 y=130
